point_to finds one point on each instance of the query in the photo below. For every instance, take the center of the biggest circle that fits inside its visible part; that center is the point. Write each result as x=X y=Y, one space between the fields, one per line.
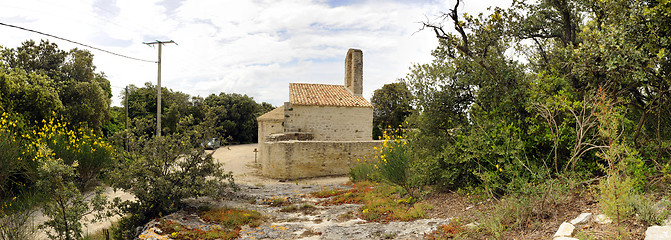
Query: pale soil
x=239 y=159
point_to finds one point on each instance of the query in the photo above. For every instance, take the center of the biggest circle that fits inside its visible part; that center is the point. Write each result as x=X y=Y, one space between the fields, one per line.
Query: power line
x=78 y=43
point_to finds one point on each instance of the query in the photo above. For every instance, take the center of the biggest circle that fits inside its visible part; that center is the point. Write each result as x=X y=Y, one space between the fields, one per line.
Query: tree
x=161 y=172
x=67 y=80
x=479 y=107
x=391 y=105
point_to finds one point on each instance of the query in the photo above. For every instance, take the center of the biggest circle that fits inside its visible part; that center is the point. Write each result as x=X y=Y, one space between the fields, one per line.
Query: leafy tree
x=480 y=108
x=66 y=205
x=236 y=114
x=391 y=105
x=161 y=172
x=63 y=82
x=31 y=95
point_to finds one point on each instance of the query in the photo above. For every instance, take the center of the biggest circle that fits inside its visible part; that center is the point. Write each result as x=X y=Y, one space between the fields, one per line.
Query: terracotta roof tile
x=324 y=95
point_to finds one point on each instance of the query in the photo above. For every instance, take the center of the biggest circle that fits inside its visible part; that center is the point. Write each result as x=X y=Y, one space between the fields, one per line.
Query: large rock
x=565 y=230
x=658 y=233
x=582 y=219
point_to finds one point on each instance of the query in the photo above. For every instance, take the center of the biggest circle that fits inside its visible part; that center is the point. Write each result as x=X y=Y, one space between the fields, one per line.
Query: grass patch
x=381 y=202
x=277 y=201
x=449 y=230
x=232 y=218
x=179 y=232
x=228 y=222
x=306 y=208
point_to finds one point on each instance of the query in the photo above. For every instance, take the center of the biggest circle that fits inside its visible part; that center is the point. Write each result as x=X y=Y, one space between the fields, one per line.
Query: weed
x=381 y=202
x=277 y=201
x=306 y=208
x=363 y=170
x=232 y=218
x=180 y=232
x=446 y=231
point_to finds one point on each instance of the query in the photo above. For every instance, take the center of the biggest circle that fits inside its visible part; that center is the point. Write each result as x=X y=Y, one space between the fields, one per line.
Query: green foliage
x=161 y=172
x=394 y=162
x=646 y=212
x=525 y=206
x=224 y=116
x=615 y=196
x=38 y=79
x=391 y=105
x=17 y=170
x=486 y=119
x=90 y=153
x=15 y=216
x=65 y=205
x=363 y=170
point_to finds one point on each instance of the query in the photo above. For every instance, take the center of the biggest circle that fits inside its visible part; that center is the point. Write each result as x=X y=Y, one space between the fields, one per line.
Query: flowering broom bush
x=394 y=160
x=81 y=146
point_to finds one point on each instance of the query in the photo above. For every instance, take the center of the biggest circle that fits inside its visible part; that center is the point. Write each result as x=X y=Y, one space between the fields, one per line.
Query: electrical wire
x=78 y=43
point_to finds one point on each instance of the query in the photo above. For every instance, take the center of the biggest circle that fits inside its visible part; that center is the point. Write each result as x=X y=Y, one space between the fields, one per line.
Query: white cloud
x=249 y=47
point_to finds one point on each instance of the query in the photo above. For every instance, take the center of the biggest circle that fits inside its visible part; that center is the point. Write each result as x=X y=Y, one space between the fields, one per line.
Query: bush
x=65 y=205
x=17 y=171
x=394 y=161
x=16 y=212
x=80 y=147
x=161 y=172
x=363 y=171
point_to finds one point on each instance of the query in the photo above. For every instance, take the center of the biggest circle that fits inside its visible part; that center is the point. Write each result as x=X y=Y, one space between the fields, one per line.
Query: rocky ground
x=317 y=222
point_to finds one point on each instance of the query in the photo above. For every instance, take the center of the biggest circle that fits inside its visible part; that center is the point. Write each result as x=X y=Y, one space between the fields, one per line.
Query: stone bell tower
x=354 y=71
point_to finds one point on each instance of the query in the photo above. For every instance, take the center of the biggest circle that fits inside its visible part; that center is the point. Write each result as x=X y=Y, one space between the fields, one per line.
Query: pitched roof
x=275 y=114
x=324 y=95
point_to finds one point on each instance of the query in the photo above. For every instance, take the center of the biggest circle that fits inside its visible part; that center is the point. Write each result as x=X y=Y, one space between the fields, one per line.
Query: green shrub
x=15 y=214
x=393 y=162
x=17 y=168
x=646 y=212
x=65 y=206
x=82 y=146
x=161 y=172
x=363 y=171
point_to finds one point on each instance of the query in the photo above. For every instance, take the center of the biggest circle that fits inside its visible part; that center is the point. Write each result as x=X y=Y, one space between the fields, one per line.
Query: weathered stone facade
x=302 y=159
x=321 y=131
x=329 y=123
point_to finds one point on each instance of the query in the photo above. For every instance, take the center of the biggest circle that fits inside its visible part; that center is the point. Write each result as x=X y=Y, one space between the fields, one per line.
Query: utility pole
x=158 y=97
x=126 y=127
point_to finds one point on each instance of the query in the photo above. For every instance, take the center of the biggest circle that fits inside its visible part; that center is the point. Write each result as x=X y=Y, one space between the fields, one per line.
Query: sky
x=248 y=47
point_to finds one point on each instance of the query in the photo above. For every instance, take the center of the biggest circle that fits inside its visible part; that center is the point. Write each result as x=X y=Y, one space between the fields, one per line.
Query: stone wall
x=268 y=127
x=328 y=123
x=270 y=123
x=304 y=159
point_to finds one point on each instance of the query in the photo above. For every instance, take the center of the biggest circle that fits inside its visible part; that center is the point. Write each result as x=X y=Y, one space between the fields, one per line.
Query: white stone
x=565 y=230
x=472 y=225
x=582 y=219
x=565 y=238
x=602 y=219
x=658 y=233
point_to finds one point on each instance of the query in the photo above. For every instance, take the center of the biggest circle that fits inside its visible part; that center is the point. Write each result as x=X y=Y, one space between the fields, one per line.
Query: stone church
x=321 y=131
